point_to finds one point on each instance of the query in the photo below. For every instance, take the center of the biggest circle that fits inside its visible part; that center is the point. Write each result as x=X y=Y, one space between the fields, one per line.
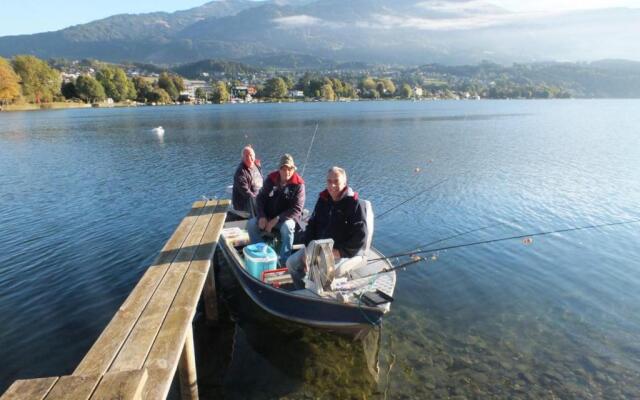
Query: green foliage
x=69 y=91
x=327 y=92
x=167 y=83
x=406 y=91
x=143 y=89
x=200 y=93
x=275 y=88
x=9 y=83
x=229 y=68
x=220 y=93
x=116 y=84
x=89 y=89
x=40 y=83
x=159 y=96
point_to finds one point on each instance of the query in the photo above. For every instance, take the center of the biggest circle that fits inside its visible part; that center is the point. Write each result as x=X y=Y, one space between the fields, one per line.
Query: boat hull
x=348 y=319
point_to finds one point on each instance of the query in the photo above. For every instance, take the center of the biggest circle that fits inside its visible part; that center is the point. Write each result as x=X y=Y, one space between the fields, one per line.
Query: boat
x=350 y=304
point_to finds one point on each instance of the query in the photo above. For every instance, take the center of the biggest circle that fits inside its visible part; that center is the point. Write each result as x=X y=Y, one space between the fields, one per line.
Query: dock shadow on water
x=251 y=354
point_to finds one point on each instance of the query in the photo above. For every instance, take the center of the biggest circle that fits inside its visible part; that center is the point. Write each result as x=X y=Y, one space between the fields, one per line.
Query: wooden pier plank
x=212 y=236
x=123 y=385
x=74 y=387
x=164 y=356
x=106 y=347
x=152 y=327
x=136 y=348
x=29 y=389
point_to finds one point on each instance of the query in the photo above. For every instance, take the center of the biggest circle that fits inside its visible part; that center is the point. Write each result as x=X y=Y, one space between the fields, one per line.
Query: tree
x=167 y=83
x=89 y=89
x=220 y=93
x=68 y=90
x=159 y=96
x=40 y=83
x=327 y=92
x=275 y=88
x=406 y=91
x=200 y=93
x=367 y=83
x=116 y=83
x=9 y=83
x=389 y=87
x=142 y=88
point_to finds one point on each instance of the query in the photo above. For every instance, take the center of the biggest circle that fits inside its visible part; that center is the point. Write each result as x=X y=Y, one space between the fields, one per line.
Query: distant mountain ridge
x=409 y=32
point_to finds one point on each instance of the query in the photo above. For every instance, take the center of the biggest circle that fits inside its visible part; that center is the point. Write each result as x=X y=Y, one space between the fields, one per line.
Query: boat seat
x=349 y=264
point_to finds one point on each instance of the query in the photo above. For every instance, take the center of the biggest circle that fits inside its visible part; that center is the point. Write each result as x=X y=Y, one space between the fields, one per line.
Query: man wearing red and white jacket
x=280 y=205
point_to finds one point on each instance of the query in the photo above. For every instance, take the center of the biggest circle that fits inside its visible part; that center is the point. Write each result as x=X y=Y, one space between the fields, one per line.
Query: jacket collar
x=295 y=179
x=347 y=192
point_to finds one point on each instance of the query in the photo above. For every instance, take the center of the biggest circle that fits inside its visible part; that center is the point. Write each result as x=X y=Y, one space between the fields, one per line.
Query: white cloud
x=460 y=23
x=459 y=7
x=298 y=21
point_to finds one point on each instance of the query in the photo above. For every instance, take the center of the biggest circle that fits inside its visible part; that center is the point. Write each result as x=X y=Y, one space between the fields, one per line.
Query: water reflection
x=254 y=355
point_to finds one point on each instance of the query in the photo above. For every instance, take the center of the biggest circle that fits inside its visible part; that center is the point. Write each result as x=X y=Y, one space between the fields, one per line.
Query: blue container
x=259 y=257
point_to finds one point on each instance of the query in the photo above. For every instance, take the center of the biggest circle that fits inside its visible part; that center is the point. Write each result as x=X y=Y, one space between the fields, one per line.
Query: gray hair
x=245 y=148
x=339 y=171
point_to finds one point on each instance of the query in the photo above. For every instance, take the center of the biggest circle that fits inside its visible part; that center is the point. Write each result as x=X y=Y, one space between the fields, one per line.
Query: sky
x=33 y=16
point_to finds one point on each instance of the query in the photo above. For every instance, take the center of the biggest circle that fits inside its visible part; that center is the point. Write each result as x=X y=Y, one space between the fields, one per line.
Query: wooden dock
x=150 y=336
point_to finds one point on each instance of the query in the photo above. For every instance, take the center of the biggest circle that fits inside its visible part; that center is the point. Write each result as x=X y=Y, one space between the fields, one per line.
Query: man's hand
x=262 y=223
x=336 y=255
x=271 y=224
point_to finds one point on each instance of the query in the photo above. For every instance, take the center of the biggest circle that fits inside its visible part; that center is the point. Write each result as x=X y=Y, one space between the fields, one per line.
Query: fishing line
x=458 y=246
x=411 y=198
x=445 y=239
x=309 y=150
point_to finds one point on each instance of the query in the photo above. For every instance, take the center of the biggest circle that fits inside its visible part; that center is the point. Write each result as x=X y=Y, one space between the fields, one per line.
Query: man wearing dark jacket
x=247 y=182
x=280 y=204
x=338 y=215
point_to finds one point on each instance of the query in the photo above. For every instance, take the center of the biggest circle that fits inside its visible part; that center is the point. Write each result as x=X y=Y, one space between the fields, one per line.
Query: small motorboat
x=349 y=302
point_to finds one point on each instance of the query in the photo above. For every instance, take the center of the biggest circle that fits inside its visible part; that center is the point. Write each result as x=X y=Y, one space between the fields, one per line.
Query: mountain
x=300 y=33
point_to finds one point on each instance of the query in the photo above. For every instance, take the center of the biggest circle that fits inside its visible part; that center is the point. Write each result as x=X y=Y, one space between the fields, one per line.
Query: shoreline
x=64 y=105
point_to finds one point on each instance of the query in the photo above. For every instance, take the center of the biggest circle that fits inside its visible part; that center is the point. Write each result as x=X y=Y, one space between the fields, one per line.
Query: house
x=417 y=91
x=191 y=86
x=296 y=94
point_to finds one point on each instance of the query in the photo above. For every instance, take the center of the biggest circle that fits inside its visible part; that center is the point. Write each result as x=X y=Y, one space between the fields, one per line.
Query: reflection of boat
x=340 y=308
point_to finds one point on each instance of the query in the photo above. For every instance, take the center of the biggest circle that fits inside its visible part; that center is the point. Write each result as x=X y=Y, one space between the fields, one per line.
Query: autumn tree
x=9 y=83
x=327 y=92
x=40 y=83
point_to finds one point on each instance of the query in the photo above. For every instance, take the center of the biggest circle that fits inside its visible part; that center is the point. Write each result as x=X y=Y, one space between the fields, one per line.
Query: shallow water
x=88 y=197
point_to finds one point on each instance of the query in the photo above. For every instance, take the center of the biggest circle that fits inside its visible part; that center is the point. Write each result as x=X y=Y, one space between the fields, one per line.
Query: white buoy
x=158 y=130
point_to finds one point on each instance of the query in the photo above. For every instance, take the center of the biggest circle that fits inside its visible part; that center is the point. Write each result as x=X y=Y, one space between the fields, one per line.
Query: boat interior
x=360 y=280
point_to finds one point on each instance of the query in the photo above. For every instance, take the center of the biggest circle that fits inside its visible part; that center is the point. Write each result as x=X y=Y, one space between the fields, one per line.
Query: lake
x=89 y=196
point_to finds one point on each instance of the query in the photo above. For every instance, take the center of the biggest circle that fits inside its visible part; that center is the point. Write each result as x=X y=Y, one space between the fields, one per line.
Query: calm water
x=88 y=197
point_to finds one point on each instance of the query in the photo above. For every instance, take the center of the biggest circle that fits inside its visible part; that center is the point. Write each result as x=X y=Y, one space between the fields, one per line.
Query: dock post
x=187 y=369
x=211 y=296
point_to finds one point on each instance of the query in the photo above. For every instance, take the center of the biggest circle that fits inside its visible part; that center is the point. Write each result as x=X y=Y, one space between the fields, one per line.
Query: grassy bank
x=44 y=106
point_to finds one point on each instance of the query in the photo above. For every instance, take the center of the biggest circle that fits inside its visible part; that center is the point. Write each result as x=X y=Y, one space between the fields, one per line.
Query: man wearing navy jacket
x=338 y=215
x=280 y=203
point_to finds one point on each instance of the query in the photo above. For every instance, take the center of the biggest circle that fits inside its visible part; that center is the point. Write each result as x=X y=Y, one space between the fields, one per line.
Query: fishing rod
x=418 y=259
x=309 y=150
x=443 y=239
x=411 y=198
